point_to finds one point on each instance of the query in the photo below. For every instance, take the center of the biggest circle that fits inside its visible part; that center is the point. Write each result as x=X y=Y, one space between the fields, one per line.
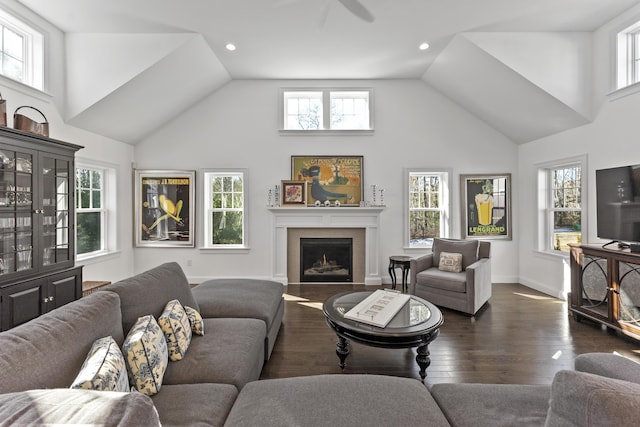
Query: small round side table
x=399 y=261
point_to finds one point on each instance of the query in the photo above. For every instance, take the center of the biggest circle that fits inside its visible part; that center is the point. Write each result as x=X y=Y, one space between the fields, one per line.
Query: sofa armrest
x=417 y=265
x=609 y=365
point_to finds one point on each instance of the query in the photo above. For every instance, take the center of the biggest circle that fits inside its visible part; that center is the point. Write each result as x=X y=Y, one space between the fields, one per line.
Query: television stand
x=605 y=287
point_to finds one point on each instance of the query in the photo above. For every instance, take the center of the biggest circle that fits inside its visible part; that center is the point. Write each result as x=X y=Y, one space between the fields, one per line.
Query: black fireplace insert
x=326 y=259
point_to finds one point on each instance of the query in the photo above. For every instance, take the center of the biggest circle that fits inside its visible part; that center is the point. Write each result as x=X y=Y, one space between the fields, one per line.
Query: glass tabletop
x=415 y=312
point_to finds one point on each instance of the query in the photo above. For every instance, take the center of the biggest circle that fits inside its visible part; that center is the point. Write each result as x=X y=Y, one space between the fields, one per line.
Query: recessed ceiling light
x=231 y=47
x=423 y=46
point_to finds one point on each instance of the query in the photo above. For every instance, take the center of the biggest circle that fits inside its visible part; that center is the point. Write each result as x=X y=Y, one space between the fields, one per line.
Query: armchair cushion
x=467 y=248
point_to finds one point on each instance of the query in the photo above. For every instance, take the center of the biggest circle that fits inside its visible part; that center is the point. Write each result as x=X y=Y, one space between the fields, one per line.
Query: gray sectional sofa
x=216 y=383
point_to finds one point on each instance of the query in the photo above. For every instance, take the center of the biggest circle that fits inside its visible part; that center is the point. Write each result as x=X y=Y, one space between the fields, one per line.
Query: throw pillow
x=176 y=327
x=468 y=249
x=104 y=368
x=450 y=262
x=587 y=400
x=197 y=324
x=145 y=350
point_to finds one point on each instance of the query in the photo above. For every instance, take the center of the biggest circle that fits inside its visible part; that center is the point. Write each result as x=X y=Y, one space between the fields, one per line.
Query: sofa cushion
x=468 y=249
x=195 y=319
x=228 y=298
x=51 y=349
x=609 y=365
x=149 y=292
x=451 y=262
x=176 y=327
x=586 y=400
x=145 y=350
x=232 y=352
x=104 y=368
x=77 y=407
x=493 y=405
x=194 y=404
x=336 y=400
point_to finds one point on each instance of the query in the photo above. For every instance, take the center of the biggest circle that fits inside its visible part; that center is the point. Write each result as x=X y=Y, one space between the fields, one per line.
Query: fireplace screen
x=326 y=260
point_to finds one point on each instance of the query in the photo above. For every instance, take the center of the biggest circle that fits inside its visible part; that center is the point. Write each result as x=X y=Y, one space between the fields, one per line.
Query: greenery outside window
x=562 y=191
x=225 y=208
x=326 y=110
x=21 y=51
x=90 y=211
x=428 y=207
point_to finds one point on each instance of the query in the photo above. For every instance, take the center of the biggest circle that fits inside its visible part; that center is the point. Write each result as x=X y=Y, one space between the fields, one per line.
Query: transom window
x=225 y=207
x=561 y=206
x=21 y=51
x=326 y=109
x=428 y=207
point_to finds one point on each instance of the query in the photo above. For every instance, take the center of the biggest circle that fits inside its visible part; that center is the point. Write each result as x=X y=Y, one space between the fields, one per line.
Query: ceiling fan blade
x=355 y=7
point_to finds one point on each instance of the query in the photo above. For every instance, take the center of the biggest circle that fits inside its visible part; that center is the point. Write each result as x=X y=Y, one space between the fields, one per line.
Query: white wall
x=237 y=127
x=610 y=140
x=51 y=103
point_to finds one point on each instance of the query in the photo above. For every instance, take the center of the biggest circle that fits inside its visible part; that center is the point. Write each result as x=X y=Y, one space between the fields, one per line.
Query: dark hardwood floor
x=520 y=337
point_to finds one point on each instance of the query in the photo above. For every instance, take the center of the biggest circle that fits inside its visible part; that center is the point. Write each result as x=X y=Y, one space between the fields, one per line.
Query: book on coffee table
x=378 y=308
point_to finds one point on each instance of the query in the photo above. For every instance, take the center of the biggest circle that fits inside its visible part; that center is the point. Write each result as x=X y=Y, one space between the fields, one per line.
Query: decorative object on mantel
x=377 y=196
x=24 y=123
x=330 y=178
x=276 y=195
x=3 y=111
x=294 y=193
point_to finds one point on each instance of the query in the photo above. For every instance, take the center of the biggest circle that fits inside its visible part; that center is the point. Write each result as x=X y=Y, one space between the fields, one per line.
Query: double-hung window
x=21 y=51
x=326 y=110
x=90 y=210
x=225 y=195
x=427 y=206
x=561 y=200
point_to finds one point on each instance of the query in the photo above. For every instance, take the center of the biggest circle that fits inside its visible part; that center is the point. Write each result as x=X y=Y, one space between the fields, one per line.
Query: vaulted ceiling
x=522 y=66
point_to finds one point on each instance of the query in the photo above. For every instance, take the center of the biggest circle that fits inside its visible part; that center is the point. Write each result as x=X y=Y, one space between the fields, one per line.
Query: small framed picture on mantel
x=294 y=193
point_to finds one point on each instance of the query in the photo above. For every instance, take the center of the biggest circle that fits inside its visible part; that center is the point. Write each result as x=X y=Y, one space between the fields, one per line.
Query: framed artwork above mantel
x=330 y=178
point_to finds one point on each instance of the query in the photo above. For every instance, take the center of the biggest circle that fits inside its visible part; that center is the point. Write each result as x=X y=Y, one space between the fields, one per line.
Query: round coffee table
x=415 y=325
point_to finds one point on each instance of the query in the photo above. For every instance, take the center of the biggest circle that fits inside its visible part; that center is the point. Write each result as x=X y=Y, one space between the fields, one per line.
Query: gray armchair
x=464 y=291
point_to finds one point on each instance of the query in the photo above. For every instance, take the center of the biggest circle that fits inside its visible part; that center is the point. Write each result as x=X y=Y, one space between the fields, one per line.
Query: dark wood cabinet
x=605 y=287
x=27 y=300
x=37 y=226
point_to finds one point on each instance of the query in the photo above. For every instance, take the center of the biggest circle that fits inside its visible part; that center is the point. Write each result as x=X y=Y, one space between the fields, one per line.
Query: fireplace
x=359 y=223
x=326 y=260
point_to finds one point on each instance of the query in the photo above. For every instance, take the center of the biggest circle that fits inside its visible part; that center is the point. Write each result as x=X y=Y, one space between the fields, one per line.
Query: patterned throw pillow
x=104 y=368
x=145 y=350
x=197 y=324
x=175 y=324
x=450 y=261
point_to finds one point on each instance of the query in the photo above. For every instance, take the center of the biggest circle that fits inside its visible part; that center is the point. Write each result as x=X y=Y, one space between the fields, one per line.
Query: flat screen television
x=618 y=205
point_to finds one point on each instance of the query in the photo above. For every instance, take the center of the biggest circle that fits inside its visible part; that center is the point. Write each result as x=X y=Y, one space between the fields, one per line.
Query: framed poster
x=294 y=193
x=486 y=206
x=164 y=208
x=330 y=178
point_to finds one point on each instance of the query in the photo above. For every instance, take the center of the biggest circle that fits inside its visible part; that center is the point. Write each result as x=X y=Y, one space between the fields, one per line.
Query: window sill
x=551 y=255
x=326 y=132
x=230 y=250
x=624 y=91
x=25 y=89
x=98 y=257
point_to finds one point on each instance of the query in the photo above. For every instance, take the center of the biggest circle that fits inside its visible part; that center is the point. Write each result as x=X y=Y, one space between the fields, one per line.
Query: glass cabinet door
x=56 y=230
x=16 y=211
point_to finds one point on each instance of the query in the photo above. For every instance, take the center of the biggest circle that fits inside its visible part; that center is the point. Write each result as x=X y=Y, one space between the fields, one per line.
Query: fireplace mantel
x=327 y=217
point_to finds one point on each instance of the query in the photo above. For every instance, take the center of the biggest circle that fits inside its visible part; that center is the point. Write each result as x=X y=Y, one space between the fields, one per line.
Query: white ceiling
x=308 y=39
